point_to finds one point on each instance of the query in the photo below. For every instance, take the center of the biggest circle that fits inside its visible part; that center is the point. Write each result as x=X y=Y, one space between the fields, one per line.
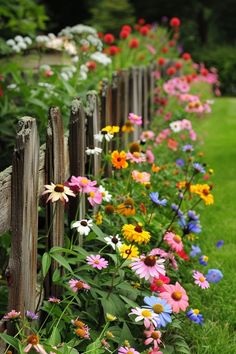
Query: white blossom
x=101 y=58
x=83 y=226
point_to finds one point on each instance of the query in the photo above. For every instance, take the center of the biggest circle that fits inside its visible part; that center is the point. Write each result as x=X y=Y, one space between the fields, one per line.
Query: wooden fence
x=22 y=184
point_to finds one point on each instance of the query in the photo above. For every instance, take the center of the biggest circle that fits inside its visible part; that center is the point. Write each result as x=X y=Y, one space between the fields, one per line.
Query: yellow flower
x=110 y=317
x=203 y=190
x=111 y=129
x=128 y=127
x=98 y=218
x=119 y=159
x=136 y=233
x=128 y=251
x=127 y=208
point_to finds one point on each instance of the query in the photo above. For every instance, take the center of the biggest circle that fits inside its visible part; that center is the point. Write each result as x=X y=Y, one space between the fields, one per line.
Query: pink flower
x=174 y=241
x=186 y=124
x=192 y=135
x=127 y=350
x=147 y=135
x=147 y=316
x=153 y=336
x=82 y=184
x=155 y=351
x=172 y=144
x=149 y=156
x=166 y=255
x=135 y=119
x=96 y=261
x=148 y=267
x=33 y=342
x=137 y=157
x=54 y=300
x=95 y=197
x=157 y=283
x=76 y=285
x=168 y=116
x=200 y=280
x=176 y=297
x=12 y=315
x=141 y=177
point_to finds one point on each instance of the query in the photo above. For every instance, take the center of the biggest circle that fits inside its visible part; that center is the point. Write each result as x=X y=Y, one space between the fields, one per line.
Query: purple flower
x=31 y=315
x=195 y=251
x=220 y=243
x=198 y=167
x=155 y=198
x=195 y=316
x=192 y=215
x=187 y=148
x=179 y=162
x=203 y=260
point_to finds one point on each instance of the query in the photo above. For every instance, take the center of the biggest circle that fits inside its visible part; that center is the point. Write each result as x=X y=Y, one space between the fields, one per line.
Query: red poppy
x=178 y=65
x=175 y=22
x=109 y=38
x=176 y=36
x=144 y=30
x=124 y=34
x=172 y=43
x=204 y=72
x=183 y=255
x=91 y=65
x=141 y=21
x=171 y=70
x=161 y=61
x=189 y=78
x=186 y=56
x=164 y=50
x=194 y=75
x=126 y=28
x=113 y=50
x=134 y=43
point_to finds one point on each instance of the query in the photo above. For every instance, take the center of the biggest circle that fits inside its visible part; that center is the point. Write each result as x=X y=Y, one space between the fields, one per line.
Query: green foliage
x=21 y=17
x=109 y=16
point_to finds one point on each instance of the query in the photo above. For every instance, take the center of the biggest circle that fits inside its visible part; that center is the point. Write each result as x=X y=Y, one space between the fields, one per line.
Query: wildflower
x=195 y=316
x=126 y=208
x=214 y=275
x=134 y=43
x=195 y=251
x=148 y=267
x=175 y=22
x=83 y=332
x=58 y=192
x=174 y=241
x=160 y=307
x=203 y=190
x=186 y=56
x=127 y=350
x=113 y=241
x=128 y=127
x=83 y=226
x=98 y=218
x=182 y=254
x=111 y=129
x=179 y=162
x=149 y=156
x=219 y=243
x=33 y=342
x=141 y=177
x=135 y=119
x=12 y=315
x=54 y=300
x=108 y=38
x=95 y=151
x=155 y=168
x=106 y=196
x=176 y=296
x=113 y=50
x=128 y=251
x=77 y=284
x=95 y=197
x=31 y=315
x=155 y=198
x=198 y=167
x=96 y=261
x=137 y=157
x=147 y=135
x=119 y=159
x=82 y=184
x=172 y=144
x=110 y=317
x=200 y=280
x=103 y=136
x=153 y=336
x=187 y=148
x=134 y=147
x=136 y=233
x=157 y=283
x=203 y=260
x=176 y=126
x=143 y=314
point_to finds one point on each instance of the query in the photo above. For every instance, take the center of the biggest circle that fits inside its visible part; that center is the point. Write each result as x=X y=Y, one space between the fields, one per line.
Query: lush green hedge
x=224 y=59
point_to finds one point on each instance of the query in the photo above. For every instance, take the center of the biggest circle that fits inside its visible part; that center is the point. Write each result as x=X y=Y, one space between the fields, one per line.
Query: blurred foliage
x=109 y=16
x=21 y=17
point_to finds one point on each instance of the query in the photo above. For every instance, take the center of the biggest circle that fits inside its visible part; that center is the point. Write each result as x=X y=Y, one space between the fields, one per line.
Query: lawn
x=218 y=304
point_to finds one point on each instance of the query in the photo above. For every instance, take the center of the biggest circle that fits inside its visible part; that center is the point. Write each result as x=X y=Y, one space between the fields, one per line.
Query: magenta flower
x=127 y=350
x=12 y=315
x=174 y=241
x=153 y=337
x=54 y=300
x=77 y=284
x=137 y=157
x=135 y=119
x=82 y=184
x=200 y=280
x=96 y=261
x=148 y=267
x=149 y=156
x=175 y=296
x=95 y=197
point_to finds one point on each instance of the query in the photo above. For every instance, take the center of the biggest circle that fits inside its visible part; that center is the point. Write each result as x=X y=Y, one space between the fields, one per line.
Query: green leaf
x=126 y=335
x=10 y=340
x=81 y=251
x=131 y=303
x=62 y=261
x=94 y=348
x=63 y=250
x=46 y=262
x=55 y=337
x=56 y=275
x=98 y=232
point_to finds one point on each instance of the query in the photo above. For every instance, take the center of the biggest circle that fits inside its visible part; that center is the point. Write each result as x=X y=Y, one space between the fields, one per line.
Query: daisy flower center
x=196 y=311
x=205 y=258
x=114 y=240
x=201 y=279
x=33 y=339
x=158 y=308
x=138 y=228
x=176 y=295
x=159 y=282
x=136 y=154
x=118 y=159
x=177 y=239
x=84 y=181
x=128 y=251
x=129 y=352
x=150 y=261
x=96 y=261
x=205 y=191
x=92 y=194
x=84 y=223
x=155 y=335
x=79 y=285
x=59 y=188
x=146 y=313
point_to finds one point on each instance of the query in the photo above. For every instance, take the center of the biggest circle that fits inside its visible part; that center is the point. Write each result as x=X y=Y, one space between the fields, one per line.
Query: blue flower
x=198 y=167
x=31 y=315
x=195 y=316
x=180 y=162
x=194 y=227
x=187 y=148
x=214 y=275
x=160 y=307
x=195 y=251
x=219 y=243
x=192 y=215
x=203 y=260
x=155 y=198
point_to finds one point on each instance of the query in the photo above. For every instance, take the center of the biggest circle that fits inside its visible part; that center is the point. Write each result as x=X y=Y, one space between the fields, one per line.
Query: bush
x=223 y=58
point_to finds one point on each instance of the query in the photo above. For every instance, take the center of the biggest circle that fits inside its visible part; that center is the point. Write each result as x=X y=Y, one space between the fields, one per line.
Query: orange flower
x=119 y=159
x=127 y=208
x=155 y=168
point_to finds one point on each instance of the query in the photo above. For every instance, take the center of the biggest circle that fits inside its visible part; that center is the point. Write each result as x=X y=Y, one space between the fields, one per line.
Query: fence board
x=22 y=270
x=5 y=200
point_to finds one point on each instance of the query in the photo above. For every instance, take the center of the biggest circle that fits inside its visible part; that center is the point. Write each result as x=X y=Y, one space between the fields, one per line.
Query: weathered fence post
x=135 y=99
x=54 y=172
x=22 y=270
x=144 y=99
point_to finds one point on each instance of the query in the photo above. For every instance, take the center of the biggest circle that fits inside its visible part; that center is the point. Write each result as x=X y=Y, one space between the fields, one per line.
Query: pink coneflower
x=77 y=284
x=95 y=197
x=141 y=177
x=147 y=316
x=155 y=351
x=200 y=280
x=176 y=296
x=127 y=350
x=82 y=184
x=135 y=119
x=157 y=283
x=96 y=261
x=58 y=192
x=174 y=241
x=54 y=300
x=148 y=267
x=33 y=342
x=147 y=135
x=12 y=315
x=137 y=157
x=153 y=336
x=150 y=156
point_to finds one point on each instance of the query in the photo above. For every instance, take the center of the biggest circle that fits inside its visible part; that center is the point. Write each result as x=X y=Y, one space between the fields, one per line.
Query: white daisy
x=83 y=226
x=103 y=135
x=113 y=241
x=95 y=151
x=106 y=196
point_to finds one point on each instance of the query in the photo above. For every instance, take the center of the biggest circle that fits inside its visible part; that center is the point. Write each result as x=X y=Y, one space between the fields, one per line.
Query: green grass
x=218 y=304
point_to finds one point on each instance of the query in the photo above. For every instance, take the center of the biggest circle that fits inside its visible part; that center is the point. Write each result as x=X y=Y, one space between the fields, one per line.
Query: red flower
x=194 y=75
x=171 y=70
x=100 y=35
x=1 y=91
x=189 y=78
x=108 y=38
x=204 y=72
x=91 y=65
x=134 y=43
x=113 y=50
x=161 y=61
x=172 y=43
x=157 y=283
x=141 y=21
x=175 y=22
x=178 y=65
x=144 y=30
x=164 y=50
x=183 y=255
x=186 y=56
x=176 y=36
x=124 y=34
x=126 y=28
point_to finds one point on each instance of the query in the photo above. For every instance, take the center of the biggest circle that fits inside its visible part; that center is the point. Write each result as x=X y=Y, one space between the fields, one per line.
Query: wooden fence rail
x=21 y=185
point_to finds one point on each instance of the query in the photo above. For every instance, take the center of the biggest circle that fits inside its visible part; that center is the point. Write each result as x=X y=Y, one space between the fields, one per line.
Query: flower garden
x=130 y=269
